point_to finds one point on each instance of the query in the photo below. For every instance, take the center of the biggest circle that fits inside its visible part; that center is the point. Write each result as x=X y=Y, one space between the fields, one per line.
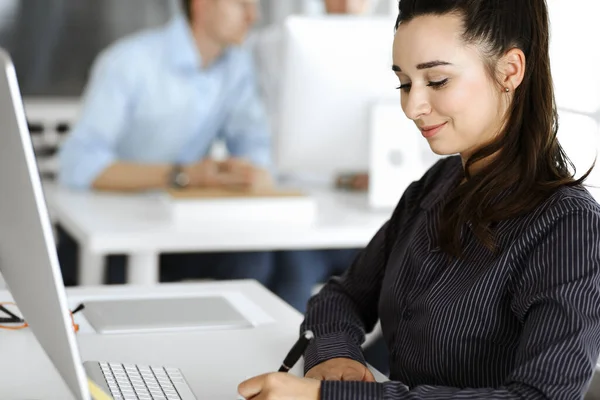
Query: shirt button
x=407 y=315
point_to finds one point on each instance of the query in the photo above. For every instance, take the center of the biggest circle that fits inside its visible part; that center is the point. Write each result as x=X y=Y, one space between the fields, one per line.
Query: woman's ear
x=512 y=69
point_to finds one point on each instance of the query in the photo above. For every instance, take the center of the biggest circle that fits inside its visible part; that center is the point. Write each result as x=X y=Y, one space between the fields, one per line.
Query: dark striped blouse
x=523 y=324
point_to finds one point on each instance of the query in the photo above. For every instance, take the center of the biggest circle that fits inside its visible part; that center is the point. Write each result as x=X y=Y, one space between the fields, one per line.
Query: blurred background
x=53 y=43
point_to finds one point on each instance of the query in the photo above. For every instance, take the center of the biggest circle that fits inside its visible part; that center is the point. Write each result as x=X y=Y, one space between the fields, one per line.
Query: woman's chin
x=441 y=150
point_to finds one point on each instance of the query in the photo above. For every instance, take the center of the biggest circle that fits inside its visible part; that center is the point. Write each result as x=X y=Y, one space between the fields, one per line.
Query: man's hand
x=280 y=386
x=231 y=173
x=236 y=172
x=341 y=369
x=203 y=174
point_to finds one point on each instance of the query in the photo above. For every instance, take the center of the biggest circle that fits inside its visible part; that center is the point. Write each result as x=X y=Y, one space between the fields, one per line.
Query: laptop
x=29 y=264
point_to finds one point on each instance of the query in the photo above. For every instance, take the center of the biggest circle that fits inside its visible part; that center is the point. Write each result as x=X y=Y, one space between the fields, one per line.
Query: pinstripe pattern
x=523 y=324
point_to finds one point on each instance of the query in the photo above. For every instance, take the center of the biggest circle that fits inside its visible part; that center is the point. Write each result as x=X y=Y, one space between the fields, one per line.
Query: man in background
x=154 y=105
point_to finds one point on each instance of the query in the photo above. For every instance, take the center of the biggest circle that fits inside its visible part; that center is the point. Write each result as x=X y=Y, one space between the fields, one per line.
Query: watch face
x=181 y=179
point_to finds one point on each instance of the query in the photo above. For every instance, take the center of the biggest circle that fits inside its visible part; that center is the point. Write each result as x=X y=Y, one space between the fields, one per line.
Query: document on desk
x=222 y=206
x=214 y=312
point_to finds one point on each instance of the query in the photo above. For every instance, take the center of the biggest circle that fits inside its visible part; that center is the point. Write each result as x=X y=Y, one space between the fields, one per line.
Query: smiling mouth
x=431 y=128
x=431 y=131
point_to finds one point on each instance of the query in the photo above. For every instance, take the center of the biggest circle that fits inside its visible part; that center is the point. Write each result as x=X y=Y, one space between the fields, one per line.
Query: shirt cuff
x=326 y=347
x=344 y=390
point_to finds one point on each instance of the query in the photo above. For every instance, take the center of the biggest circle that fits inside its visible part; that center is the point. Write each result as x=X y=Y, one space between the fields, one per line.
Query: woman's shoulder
x=571 y=208
x=571 y=200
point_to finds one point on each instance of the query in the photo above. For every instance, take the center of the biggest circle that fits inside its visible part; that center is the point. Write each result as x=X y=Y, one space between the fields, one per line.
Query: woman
x=486 y=277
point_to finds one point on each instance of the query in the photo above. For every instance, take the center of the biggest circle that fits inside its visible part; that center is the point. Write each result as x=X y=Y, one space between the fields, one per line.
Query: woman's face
x=445 y=88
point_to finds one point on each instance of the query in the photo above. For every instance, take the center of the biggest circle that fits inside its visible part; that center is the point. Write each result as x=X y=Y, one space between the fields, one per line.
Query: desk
x=141 y=227
x=213 y=362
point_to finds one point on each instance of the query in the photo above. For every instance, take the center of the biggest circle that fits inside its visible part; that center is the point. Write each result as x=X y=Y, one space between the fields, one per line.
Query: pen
x=78 y=308
x=296 y=351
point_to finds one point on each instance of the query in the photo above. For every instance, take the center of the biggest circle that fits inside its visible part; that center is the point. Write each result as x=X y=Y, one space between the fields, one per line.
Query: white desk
x=213 y=362
x=141 y=227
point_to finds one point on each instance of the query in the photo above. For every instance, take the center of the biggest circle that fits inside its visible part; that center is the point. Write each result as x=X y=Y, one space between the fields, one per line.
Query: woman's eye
x=433 y=84
x=405 y=87
x=438 y=84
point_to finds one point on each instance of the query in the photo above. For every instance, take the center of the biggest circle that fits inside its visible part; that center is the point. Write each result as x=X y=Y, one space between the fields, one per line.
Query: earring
x=506 y=90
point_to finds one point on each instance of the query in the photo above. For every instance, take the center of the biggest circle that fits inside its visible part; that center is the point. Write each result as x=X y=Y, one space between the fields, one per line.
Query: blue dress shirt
x=150 y=101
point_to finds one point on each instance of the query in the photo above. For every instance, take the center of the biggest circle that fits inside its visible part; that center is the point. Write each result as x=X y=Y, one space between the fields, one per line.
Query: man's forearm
x=125 y=176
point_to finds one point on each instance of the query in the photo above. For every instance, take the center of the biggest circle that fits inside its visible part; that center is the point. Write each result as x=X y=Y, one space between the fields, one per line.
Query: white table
x=213 y=362
x=141 y=227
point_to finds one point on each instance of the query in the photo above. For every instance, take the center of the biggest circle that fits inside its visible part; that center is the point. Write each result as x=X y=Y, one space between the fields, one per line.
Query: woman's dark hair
x=530 y=163
x=186 y=5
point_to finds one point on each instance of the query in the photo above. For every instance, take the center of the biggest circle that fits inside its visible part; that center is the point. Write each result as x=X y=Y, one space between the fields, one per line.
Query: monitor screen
x=335 y=69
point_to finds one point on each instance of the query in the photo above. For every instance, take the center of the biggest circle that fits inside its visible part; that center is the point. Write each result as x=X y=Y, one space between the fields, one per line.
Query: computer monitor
x=28 y=259
x=29 y=264
x=335 y=69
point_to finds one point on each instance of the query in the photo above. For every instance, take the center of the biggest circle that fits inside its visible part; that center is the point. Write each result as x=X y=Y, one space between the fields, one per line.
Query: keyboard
x=139 y=382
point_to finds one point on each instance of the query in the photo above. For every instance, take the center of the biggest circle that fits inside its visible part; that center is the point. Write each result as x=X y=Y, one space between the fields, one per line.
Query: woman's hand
x=341 y=369
x=280 y=386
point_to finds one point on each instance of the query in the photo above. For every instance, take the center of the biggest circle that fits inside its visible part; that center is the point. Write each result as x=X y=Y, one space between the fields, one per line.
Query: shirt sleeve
x=346 y=308
x=246 y=130
x=90 y=147
x=556 y=297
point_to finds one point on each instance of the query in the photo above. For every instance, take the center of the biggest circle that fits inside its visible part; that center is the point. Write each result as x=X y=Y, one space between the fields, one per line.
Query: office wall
x=53 y=43
x=575 y=63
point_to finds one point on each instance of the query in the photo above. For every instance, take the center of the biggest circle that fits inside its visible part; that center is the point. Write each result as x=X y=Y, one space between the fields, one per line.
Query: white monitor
x=335 y=69
x=28 y=259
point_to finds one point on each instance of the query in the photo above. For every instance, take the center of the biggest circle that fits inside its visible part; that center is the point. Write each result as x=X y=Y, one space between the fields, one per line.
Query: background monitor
x=335 y=69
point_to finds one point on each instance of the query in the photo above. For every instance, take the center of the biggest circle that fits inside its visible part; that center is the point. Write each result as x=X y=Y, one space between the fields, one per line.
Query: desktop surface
x=213 y=362
x=125 y=223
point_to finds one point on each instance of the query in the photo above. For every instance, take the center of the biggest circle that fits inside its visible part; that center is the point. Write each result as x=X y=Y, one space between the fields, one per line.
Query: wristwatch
x=178 y=179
